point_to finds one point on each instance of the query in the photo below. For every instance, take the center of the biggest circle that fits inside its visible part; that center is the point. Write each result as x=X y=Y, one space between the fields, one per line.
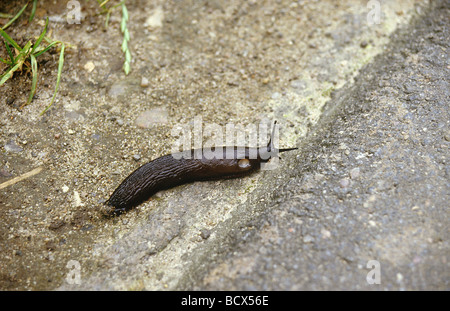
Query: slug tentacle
x=175 y=169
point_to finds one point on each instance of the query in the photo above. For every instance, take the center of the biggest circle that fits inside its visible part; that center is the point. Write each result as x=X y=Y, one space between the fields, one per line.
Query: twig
x=21 y=177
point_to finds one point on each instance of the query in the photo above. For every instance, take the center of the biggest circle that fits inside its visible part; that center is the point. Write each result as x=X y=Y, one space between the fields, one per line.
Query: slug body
x=195 y=165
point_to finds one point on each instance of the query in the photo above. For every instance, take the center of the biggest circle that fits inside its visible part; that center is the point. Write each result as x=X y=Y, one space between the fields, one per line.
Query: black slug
x=175 y=169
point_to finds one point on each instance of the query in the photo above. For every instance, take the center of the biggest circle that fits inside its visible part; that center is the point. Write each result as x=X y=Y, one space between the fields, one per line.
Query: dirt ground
x=240 y=62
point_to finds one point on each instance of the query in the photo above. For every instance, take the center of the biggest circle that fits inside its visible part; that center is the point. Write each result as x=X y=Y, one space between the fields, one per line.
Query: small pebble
x=344 y=182
x=152 y=117
x=298 y=84
x=144 y=82
x=276 y=95
x=89 y=66
x=119 y=88
x=11 y=146
x=325 y=233
x=76 y=199
x=308 y=239
x=447 y=136
x=4 y=173
x=156 y=19
x=87 y=227
x=205 y=233
x=354 y=173
x=56 y=224
x=73 y=115
x=136 y=157
x=95 y=136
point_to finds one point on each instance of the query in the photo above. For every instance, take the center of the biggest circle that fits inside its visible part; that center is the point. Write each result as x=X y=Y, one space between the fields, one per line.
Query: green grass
x=123 y=28
x=126 y=38
x=15 y=17
x=26 y=56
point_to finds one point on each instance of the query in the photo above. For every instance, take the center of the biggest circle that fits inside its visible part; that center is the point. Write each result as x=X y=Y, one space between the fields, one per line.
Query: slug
x=179 y=168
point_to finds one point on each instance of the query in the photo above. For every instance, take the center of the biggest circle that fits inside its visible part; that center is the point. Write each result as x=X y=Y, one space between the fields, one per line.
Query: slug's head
x=270 y=151
x=241 y=160
x=227 y=162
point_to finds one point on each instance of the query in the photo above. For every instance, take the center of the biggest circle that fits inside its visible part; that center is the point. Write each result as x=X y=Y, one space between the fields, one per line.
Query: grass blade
x=39 y=40
x=126 y=38
x=46 y=48
x=35 y=78
x=58 y=78
x=124 y=45
x=15 y=17
x=126 y=68
x=107 y=19
x=5 y=15
x=11 y=56
x=5 y=61
x=23 y=53
x=10 y=40
x=103 y=3
x=124 y=12
x=9 y=73
x=33 y=10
